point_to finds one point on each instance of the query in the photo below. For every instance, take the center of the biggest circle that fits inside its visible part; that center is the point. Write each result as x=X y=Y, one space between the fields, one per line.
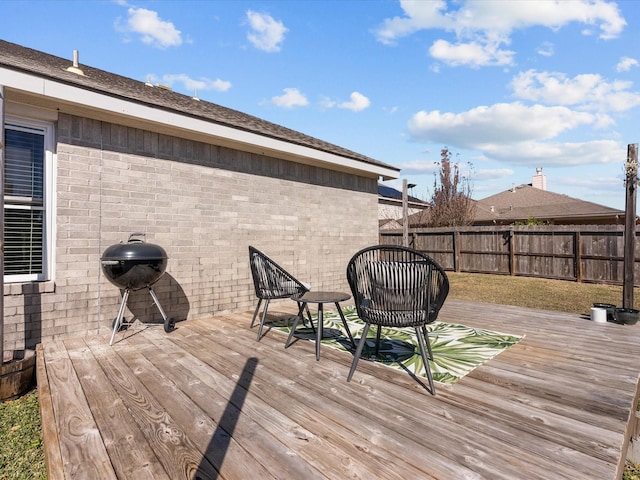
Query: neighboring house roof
x=390 y=205
x=390 y=193
x=525 y=201
x=103 y=95
x=389 y=224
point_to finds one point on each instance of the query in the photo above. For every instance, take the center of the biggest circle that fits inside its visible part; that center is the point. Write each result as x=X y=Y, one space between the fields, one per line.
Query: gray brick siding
x=204 y=204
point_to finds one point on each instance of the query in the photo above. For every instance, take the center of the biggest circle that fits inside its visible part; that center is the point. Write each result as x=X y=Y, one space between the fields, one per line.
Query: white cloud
x=625 y=64
x=327 y=102
x=153 y=30
x=546 y=49
x=481 y=28
x=491 y=16
x=418 y=16
x=516 y=134
x=586 y=91
x=504 y=123
x=357 y=103
x=492 y=173
x=473 y=54
x=266 y=33
x=418 y=167
x=202 y=84
x=291 y=98
x=558 y=153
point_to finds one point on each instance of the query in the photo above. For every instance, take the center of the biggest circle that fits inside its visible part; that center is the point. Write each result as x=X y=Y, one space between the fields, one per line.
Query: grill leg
x=118 y=321
x=155 y=299
x=168 y=323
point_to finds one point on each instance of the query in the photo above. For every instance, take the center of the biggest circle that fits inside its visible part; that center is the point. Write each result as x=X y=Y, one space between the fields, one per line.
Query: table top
x=321 y=297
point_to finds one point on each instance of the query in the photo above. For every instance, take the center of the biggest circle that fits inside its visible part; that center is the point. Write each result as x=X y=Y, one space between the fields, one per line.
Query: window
x=28 y=158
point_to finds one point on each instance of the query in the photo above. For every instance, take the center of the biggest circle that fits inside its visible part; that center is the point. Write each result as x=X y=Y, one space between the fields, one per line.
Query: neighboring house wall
x=204 y=204
x=394 y=212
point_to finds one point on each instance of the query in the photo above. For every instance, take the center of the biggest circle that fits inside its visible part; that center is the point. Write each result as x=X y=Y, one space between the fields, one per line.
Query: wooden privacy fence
x=581 y=253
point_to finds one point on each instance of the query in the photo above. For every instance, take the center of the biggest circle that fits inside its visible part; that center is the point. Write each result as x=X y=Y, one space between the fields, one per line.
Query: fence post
x=405 y=214
x=631 y=182
x=456 y=250
x=577 y=249
x=512 y=253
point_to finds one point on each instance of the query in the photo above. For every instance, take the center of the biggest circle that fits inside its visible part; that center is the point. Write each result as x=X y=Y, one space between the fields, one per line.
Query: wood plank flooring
x=207 y=401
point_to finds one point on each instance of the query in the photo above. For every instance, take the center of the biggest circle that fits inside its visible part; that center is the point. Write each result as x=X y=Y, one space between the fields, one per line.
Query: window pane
x=24 y=162
x=24 y=215
x=23 y=235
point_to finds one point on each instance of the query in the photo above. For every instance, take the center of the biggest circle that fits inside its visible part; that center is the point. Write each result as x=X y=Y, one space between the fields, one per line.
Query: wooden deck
x=208 y=401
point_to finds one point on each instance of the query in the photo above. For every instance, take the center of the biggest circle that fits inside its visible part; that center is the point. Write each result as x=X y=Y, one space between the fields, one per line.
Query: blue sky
x=507 y=85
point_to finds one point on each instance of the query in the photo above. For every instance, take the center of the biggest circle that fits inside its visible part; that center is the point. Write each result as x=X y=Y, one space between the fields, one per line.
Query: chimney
x=539 y=180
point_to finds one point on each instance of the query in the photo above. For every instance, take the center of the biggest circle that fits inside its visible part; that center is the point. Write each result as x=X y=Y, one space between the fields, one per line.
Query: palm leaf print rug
x=457 y=349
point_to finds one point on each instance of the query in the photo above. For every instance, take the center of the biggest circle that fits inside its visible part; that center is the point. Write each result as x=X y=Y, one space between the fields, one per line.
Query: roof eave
x=22 y=87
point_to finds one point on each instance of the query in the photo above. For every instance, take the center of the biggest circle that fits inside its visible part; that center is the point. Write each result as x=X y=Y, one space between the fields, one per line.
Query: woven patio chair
x=397 y=287
x=271 y=282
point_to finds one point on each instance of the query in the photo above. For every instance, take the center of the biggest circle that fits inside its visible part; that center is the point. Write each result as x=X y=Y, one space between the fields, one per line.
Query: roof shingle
x=27 y=60
x=526 y=201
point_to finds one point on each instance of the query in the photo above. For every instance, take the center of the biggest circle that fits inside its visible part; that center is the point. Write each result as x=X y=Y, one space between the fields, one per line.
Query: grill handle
x=137 y=234
x=110 y=262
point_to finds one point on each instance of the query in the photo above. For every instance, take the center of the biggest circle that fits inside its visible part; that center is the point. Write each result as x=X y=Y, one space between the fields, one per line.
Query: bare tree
x=451 y=202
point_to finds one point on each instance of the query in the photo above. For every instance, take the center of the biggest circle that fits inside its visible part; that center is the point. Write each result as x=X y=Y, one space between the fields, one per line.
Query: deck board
x=208 y=401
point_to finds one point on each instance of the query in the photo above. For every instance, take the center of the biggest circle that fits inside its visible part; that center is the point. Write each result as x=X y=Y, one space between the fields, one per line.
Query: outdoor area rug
x=457 y=349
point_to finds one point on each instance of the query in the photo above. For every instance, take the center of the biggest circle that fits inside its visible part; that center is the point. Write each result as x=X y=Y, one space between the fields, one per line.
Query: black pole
x=631 y=183
x=405 y=214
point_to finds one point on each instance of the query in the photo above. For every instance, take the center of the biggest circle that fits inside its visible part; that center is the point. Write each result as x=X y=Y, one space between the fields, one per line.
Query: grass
x=557 y=295
x=21 y=452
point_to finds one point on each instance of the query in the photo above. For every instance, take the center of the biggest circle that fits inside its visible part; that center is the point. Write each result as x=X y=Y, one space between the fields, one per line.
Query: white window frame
x=48 y=131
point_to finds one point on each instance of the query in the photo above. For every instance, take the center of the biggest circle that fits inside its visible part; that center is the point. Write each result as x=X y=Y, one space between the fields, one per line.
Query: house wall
x=394 y=212
x=202 y=203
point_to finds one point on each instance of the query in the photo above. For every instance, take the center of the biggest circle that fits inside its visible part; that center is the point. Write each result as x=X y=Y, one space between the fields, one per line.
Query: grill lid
x=135 y=249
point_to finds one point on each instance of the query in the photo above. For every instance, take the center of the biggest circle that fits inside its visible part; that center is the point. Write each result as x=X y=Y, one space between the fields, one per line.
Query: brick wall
x=204 y=204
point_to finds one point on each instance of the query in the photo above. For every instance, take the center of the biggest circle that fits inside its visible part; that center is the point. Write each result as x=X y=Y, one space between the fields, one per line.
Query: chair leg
x=378 y=341
x=255 y=313
x=422 y=338
x=426 y=336
x=356 y=357
x=262 y=319
x=345 y=325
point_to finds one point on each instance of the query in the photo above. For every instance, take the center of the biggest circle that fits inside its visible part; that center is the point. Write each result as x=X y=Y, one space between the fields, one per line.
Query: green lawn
x=21 y=452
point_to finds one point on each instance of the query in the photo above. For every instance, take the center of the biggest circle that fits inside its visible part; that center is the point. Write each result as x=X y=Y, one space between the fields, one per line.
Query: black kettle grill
x=132 y=266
